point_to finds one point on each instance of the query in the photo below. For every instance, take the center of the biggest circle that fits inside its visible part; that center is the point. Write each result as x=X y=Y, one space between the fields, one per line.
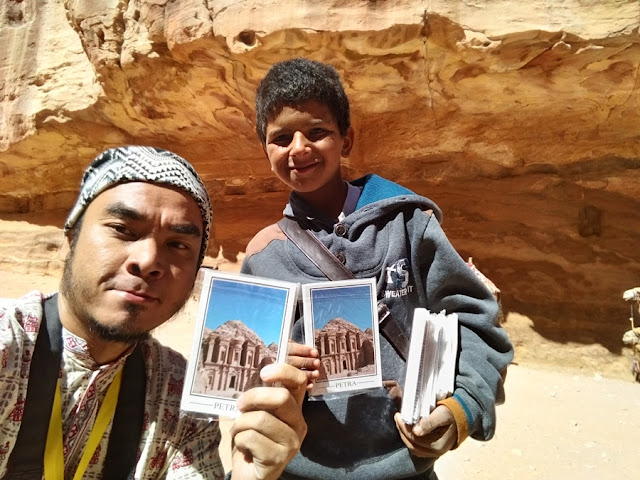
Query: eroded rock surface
x=521 y=120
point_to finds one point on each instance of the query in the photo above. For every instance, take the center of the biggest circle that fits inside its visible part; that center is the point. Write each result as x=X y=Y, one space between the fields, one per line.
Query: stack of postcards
x=431 y=366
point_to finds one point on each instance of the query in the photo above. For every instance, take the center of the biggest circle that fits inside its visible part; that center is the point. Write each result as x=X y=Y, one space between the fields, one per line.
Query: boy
x=379 y=229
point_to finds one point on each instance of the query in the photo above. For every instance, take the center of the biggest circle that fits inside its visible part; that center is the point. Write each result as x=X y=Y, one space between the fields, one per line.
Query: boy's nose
x=299 y=145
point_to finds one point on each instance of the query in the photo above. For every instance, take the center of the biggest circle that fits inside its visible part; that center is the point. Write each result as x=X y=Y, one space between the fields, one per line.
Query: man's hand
x=270 y=429
x=305 y=358
x=431 y=436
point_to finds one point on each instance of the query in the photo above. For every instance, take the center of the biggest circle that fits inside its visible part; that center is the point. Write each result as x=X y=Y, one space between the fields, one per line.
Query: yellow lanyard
x=53 y=454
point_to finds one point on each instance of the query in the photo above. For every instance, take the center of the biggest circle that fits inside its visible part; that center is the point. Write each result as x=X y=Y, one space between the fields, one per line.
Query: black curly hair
x=296 y=81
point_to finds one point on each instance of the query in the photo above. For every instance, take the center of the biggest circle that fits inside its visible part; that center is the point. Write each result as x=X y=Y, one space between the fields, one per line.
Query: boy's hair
x=294 y=82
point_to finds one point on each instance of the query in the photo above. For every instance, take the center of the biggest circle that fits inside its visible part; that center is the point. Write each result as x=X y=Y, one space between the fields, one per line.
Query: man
x=137 y=235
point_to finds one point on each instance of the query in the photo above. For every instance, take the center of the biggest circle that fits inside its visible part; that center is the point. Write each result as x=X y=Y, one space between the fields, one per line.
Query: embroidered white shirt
x=174 y=445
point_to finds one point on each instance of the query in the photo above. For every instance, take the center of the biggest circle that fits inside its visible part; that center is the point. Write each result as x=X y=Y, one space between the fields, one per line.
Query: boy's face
x=304 y=147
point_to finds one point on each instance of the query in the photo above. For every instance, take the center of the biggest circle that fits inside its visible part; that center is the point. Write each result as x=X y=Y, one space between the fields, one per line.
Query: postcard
x=342 y=319
x=241 y=323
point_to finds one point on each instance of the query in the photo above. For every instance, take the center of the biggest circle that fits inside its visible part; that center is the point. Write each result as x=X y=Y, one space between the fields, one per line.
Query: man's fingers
x=259 y=432
x=306 y=359
x=262 y=445
x=293 y=379
x=301 y=350
x=270 y=429
x=276 y=401
x=303 y=356
x=304 y=363
x=310 y=367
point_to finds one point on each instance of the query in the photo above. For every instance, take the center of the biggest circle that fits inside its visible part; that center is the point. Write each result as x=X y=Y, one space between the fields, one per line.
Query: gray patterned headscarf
x=142 y=164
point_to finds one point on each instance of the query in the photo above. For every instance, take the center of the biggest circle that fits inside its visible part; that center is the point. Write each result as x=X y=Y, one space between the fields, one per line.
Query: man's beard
x=116 y=334
x=68 y=288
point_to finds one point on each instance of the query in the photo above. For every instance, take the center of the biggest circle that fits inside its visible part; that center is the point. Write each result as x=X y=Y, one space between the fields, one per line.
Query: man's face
x=304 y=147
x=134 y=261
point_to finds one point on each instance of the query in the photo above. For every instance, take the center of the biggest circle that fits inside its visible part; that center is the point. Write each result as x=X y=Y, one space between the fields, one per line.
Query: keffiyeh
x=142 y=164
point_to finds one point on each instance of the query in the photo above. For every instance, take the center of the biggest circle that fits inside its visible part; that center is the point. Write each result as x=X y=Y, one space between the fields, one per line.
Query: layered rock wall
x=521 y=120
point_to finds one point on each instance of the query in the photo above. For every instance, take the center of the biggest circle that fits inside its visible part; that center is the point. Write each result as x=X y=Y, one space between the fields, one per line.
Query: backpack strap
x=126 y=432
x=333 y=269
x=315 y=250
x=26 y=461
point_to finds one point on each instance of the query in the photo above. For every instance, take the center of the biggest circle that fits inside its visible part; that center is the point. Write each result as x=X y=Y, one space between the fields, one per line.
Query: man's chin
x=118 y=333
x=119 y=336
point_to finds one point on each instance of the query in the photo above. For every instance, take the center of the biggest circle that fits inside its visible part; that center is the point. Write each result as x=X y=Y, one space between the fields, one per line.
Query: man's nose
x=144 y=259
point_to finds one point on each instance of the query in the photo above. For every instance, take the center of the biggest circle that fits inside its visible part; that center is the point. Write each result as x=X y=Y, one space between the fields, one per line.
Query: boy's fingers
x=409 y=439
x=431 y=436
x=439 y=419
x=432 y=445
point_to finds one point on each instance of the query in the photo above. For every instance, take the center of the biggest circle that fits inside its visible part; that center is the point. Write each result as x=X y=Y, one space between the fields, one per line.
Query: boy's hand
x=431 y=436
x=271 y=428
x=305 y=358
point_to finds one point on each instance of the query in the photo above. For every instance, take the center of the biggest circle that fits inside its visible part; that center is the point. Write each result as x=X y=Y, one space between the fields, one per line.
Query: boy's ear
x=347 y=142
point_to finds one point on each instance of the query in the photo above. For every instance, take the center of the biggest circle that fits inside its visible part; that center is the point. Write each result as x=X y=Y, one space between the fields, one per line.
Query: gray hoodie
x=395 y=236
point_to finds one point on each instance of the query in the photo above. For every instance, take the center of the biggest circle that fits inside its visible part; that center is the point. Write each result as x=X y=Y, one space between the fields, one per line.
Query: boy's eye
x=317 y=134
x=282 y=140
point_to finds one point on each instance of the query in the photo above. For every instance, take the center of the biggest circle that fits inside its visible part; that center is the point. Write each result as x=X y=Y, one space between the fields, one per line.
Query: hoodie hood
x=377 y=194
x=375 y=188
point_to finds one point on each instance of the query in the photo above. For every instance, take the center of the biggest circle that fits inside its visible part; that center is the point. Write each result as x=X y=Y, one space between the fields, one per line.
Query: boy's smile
x=304 y=147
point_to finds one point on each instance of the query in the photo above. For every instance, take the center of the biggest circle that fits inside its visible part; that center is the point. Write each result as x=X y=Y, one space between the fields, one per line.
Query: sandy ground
x=556 y=425
x=571 y=411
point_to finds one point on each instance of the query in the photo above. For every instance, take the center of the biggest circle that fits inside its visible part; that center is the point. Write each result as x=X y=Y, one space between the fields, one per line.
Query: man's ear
x=347 y=144
x=65 y=246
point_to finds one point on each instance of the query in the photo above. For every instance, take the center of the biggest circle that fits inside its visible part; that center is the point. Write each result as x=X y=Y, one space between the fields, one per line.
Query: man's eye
x=179 y=245
x=121 y=229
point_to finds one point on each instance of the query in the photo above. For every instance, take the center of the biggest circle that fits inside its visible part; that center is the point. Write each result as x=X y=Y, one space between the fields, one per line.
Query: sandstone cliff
x=521 y=120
